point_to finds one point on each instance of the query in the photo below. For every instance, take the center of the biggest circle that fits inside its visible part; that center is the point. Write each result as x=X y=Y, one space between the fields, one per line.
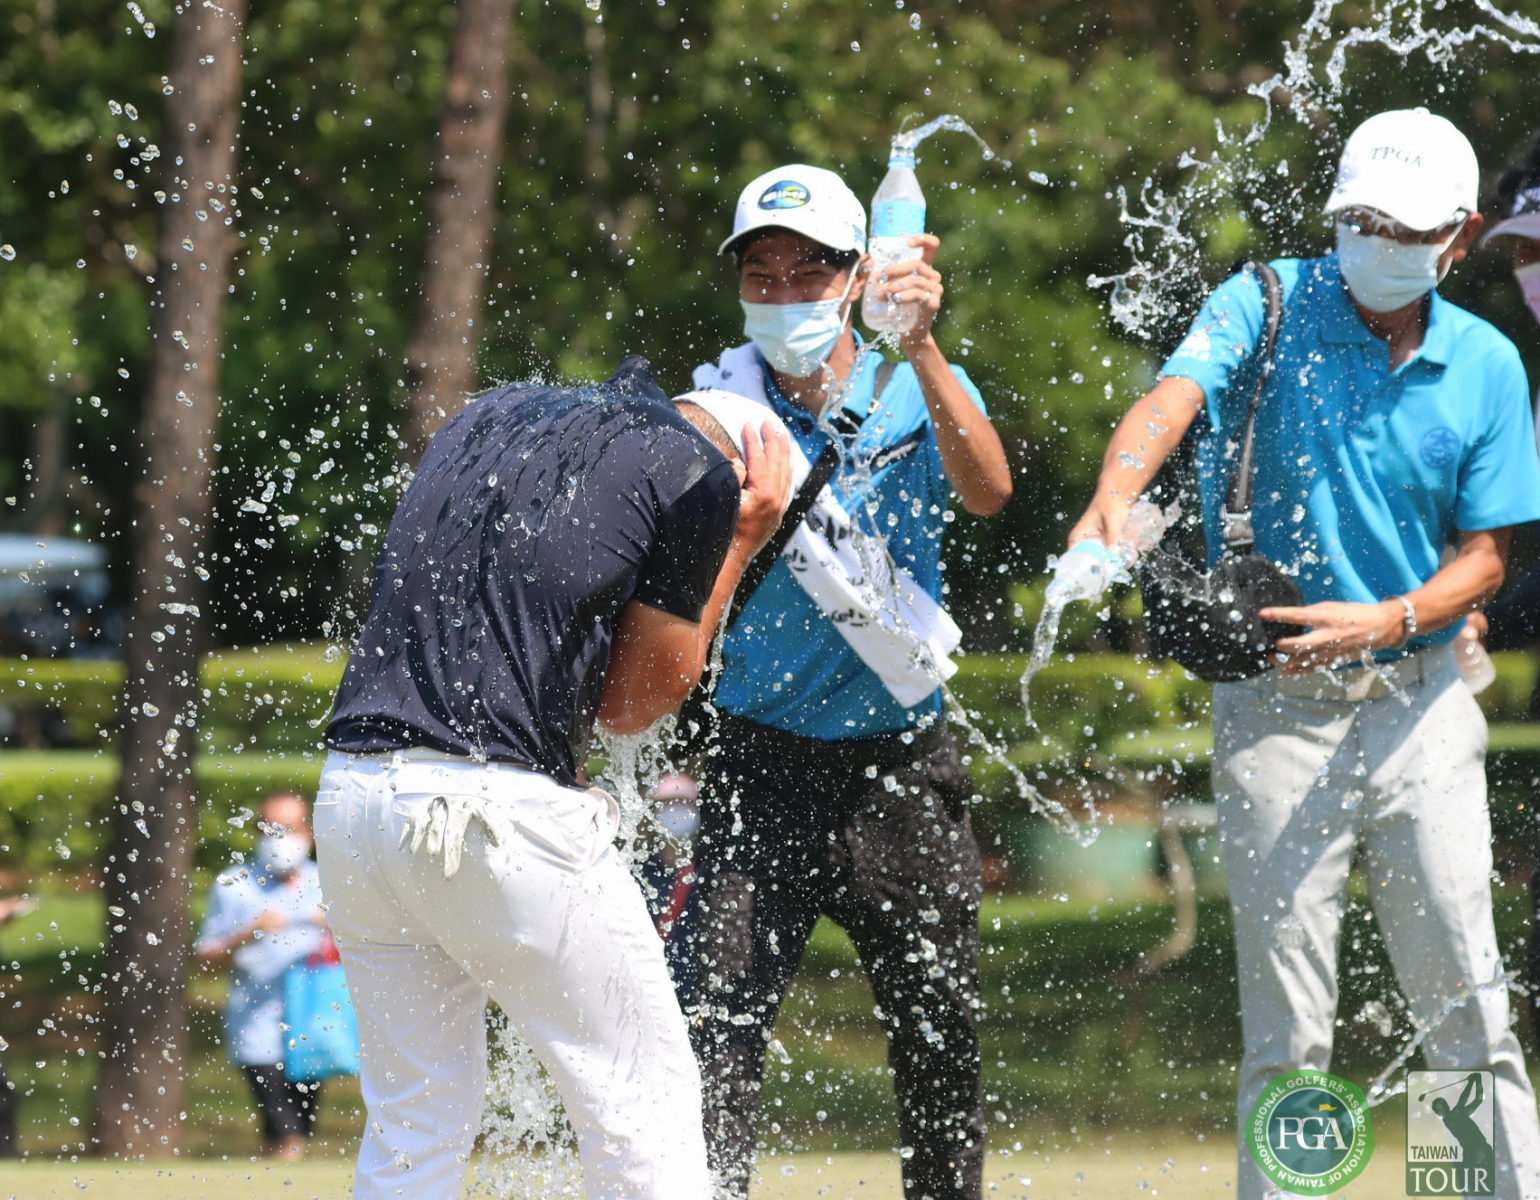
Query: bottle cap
x=901 y=156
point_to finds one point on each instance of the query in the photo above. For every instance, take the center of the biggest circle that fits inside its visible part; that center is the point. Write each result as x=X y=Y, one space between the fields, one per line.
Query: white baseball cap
x=806 y=200
x=1412 y=166
x=1524 y=220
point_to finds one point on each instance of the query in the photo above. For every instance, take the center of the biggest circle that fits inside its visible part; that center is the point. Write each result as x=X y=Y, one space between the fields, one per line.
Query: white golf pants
x=1310 y=771
x=541 y=915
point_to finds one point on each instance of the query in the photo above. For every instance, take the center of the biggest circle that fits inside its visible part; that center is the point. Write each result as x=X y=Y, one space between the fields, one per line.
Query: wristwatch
x=1409 y=622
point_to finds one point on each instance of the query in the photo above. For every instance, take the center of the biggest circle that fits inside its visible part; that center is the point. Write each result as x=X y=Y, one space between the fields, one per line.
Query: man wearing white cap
x=1391 y=423
x=833 y=786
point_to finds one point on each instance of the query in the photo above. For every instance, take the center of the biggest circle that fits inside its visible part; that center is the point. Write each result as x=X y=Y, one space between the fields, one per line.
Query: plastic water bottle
x=1083 y=572
x=898 y=213
x=1089 y=566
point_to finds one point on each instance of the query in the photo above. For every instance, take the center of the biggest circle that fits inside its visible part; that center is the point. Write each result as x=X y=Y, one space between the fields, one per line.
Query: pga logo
x=1310 y=1132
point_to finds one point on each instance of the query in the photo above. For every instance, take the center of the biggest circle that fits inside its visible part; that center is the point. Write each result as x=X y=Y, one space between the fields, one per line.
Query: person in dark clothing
x=562 y=556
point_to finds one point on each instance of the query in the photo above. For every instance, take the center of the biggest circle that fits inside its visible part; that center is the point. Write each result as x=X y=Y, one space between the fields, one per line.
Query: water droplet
x=8 y=252
x=123 y=140
x=184 y=398
x=130 y=250
x=80 y=264
x=855 y=47
x=114 y=108
x=914 y=20
x=153 y=939
x=123 y=372
x=253 y=506
x=685 y=42
x=593 y=5
x=131 y=112
x=187 y=243
x=288 y=519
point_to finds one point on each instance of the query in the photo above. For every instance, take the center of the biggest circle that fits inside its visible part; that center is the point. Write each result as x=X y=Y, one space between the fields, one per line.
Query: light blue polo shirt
x=1363 y=474
x=783 y=663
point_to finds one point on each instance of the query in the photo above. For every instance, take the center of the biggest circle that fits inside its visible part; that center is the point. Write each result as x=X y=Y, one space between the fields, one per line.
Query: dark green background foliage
x=627 y=141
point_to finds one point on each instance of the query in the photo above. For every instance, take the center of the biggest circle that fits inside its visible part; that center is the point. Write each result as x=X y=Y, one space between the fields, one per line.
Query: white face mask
x=282 y=855
x=796 y=339
x=1529 y=279
x=1385 y=275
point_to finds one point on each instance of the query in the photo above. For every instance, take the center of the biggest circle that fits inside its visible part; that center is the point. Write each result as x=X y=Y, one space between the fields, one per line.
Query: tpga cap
x=1524 y=220
x=806 y=200
x=1412 y=166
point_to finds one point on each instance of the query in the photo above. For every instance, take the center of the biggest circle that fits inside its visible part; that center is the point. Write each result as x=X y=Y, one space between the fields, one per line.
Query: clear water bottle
x=898 y=213
x=1088 y=567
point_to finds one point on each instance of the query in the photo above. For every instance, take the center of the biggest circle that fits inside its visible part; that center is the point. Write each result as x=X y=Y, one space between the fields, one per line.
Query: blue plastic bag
x=322 y=1039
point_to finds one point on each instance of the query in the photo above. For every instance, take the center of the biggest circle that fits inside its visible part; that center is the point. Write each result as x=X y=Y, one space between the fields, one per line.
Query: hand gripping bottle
x=898 y=212
x=1087 y=567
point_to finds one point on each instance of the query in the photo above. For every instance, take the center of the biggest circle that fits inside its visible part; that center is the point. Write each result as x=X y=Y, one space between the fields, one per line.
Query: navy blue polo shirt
x=536 y=516
x=784 y=664
x=1362 y=473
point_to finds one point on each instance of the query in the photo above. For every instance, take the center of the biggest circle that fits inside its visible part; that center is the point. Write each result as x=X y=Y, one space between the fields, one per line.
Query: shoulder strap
x=1235 y=516
x=885 y=371
x=822 y=471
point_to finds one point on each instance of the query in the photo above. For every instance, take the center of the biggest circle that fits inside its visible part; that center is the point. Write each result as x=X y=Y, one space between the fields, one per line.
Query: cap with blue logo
x=806 y=200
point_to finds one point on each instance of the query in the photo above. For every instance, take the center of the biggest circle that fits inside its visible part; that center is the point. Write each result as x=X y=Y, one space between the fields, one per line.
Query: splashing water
x=1382 y=1087
x=1164 y=235
x=528 y=1148
x=1084 y=574
x=907 y=140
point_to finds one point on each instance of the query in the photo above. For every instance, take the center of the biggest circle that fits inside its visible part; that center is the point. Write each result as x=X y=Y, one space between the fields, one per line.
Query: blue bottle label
x=897 y=218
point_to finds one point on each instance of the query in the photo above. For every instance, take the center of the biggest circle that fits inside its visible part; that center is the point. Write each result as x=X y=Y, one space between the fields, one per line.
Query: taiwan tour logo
x=1310 y=1132
x=785 y=193
x=1449 y=1134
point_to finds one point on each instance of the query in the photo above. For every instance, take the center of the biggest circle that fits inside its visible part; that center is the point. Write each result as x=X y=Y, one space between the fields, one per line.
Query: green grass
x=1075 y=1045
x=1094 y=1167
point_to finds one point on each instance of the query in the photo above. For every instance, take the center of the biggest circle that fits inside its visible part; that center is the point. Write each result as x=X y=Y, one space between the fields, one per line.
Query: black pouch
x=1209 y=620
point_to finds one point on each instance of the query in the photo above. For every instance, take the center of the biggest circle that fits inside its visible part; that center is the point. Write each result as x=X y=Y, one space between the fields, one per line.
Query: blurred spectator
x=1514 y=621
x=263 y=918
x=668 y=874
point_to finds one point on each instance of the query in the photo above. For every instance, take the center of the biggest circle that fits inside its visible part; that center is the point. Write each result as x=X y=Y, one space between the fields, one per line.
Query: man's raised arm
x=658 y=657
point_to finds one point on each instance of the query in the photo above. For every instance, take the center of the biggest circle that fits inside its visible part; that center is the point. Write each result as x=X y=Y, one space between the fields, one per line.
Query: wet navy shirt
x=536 y=515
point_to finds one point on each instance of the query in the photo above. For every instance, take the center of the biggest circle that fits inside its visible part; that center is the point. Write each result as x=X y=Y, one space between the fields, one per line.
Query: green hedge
x=273 y=698
x=260 y=733
x=56 y=805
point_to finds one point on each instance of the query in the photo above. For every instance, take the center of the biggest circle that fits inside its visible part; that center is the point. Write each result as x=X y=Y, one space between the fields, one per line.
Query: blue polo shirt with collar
x=1362 y=473
x=783 y=663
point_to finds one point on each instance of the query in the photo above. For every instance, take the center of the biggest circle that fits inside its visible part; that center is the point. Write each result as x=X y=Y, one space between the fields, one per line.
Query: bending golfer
x=1392 y=423
x=562 y=555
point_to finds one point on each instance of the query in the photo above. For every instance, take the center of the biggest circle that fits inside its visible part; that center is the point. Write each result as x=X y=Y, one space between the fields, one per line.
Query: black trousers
x=288 y=1109
x=874 y=833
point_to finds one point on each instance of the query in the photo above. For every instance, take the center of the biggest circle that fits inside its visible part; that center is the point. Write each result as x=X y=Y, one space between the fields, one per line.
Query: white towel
x=888 y=619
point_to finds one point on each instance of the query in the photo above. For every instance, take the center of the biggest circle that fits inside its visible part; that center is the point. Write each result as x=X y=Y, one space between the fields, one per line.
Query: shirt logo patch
x=784 y=193
x=1439 y=446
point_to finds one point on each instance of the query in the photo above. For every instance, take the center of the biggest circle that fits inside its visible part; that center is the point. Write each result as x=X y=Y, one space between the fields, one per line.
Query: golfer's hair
x=1522 y=174
x=708 y=426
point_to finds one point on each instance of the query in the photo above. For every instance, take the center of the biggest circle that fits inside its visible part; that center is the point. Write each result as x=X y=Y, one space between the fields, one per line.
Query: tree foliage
x=628 y=138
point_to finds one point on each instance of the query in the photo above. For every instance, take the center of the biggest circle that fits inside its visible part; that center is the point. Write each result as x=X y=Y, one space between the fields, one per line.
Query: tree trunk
x=441 y=357
x=140 y=1092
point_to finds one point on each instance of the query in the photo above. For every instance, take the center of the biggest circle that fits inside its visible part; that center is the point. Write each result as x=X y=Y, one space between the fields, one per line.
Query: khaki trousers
x=1313 y=772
